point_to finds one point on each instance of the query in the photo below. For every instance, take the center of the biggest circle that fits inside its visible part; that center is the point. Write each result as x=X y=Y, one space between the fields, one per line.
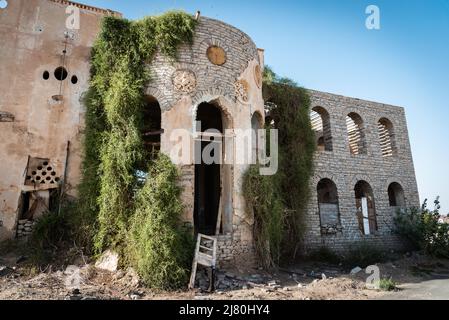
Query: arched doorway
x=208 y=174
x=366 y=209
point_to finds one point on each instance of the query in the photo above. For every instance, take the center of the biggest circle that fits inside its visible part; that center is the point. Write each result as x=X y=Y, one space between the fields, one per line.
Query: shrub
x=159 y=248
x=423 y=231
x=363 y=254
x=324 y=254
x=387 y=284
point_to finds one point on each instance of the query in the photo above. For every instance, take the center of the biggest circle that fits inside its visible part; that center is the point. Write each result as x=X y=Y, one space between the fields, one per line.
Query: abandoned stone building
x=364 y=168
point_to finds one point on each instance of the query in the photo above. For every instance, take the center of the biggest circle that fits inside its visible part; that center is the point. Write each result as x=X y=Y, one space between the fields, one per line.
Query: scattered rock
x=355 y=270
x=4 y=271
x=108 y=261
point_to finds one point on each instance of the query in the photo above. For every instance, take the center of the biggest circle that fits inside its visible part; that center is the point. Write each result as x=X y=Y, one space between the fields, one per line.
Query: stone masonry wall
x=345 y=170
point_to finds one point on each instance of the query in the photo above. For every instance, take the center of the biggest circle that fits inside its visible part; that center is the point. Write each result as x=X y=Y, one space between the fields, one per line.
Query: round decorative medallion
x=184 y=81
x=216 y=55
x=258 y=75
x=241 y=90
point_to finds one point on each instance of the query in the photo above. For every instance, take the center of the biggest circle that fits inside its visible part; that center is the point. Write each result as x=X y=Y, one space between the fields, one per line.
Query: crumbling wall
x=346 y=169
x=43 y=112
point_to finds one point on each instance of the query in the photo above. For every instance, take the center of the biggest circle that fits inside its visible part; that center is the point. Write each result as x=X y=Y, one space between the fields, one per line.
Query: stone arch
x=355 y=130
x=215 y=97
x=164 y=102
x=320 y=120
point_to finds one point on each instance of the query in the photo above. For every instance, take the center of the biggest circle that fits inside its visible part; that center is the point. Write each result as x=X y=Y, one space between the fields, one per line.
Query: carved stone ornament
x=184 y=81
x=241 y=90
x=258 y=75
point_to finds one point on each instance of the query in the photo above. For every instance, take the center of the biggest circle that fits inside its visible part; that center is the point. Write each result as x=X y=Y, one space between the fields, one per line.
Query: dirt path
x=418 y=277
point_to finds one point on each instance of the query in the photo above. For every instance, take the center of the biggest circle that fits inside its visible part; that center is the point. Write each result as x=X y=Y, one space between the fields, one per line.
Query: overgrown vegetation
x=116 y=210
x=422 y=230
x=279 y=201
x=158 y=246
x=264 y=200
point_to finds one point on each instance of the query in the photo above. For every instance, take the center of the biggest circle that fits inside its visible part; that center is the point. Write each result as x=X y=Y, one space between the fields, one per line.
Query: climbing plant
x=279 y=201
x=110 y=192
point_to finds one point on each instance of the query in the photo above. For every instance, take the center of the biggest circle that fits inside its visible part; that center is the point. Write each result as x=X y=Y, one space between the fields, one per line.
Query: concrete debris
x=108 y=261
x=4 y=271
x=355 y=271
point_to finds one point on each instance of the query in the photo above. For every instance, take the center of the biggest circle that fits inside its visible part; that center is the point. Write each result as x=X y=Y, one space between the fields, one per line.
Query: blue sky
x=324 y=45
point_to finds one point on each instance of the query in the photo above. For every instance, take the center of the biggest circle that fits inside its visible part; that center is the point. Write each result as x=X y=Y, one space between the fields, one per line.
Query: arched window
x=396 y=195
x=320 y=121
x=386 y=137
x=366 y=209
x=328 y=206
x=256 y=124
x=356 y=134
x=152 y=128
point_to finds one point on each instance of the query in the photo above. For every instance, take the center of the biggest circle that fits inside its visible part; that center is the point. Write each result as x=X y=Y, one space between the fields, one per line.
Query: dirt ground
x=305 y=281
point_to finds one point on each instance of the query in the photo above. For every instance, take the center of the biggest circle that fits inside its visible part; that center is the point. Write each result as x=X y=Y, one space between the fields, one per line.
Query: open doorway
x=208 y=175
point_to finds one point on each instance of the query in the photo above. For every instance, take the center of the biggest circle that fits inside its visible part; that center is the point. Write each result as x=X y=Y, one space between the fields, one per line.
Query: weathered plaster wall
x=345 y=170
x=32 y=42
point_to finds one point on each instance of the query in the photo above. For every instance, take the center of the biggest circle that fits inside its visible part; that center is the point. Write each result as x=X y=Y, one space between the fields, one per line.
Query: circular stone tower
x=216 y=83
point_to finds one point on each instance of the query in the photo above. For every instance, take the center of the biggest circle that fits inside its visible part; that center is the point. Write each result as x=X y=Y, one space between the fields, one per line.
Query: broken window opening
x=74 y=79
x=320 y=121
x=356 y=134
x=152 y=128
x=6 y=117
x=396 y=196
x=35 y=204
x=46 y=75
x=328 y=207
x=386 y=138
x=366 y=210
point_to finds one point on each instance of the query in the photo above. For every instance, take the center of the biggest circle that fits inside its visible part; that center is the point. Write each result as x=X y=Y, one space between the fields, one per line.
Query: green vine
x=110 y=193
x=279 y=201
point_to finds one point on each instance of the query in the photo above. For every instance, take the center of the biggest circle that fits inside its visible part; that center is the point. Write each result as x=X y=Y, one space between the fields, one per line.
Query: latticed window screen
x=386 y=138
x=356 y=135
x=41 y=172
